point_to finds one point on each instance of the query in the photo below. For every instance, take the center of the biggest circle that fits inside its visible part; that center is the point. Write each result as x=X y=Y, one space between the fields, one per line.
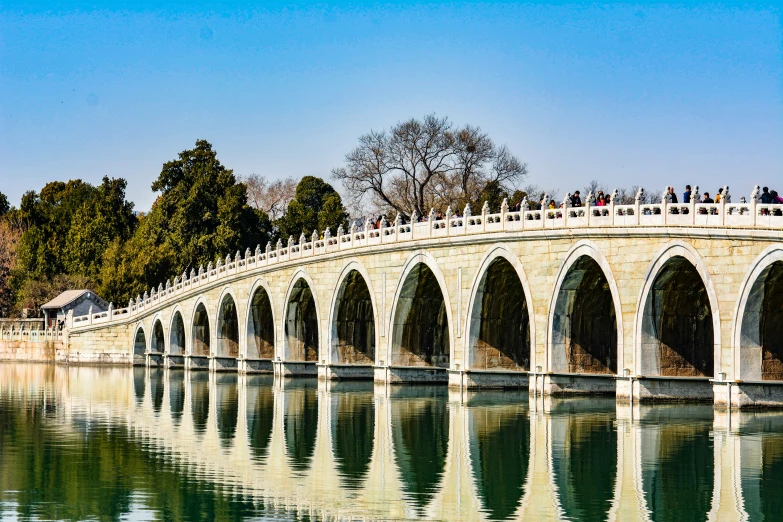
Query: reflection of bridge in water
x=379 y=452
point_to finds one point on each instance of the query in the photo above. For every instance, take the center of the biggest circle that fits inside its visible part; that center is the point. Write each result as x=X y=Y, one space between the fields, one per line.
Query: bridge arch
x=677 y=326
x=260 y=331
x=227 y=325
x=158 y=336
x=500 y=325
x=420 y=329
x=301 y=322
x=353 y=335
x=201 y=329
x=177 y=337
x=758 y=320
x=139 y=340
x=581 y=337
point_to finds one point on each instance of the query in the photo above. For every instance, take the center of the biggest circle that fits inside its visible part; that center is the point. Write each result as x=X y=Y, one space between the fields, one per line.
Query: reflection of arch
x=584 y=460
x=199 y=400
x=499 y=438
x=420 y=435
x=226 y=407
x=139 y=383
x=582 y=337
x=758 y=324
x=301 y=320
x=300 y=423
x=353 y=335
x=677 y=328
x=227 y=329
x=177 y=337
x=260 y=322
x=156 y=388
x=260 y=415
x=353 y=429
x=200 y=330
x=158 y=338
x=421 y=316
x=501 y=330
x=139 y=340
x=176 y=385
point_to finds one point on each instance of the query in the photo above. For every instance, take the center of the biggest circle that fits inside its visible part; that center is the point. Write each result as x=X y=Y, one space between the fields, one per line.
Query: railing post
x=565 y=206
x=448 y=220
x=695 y=196
x=754 y=200
x=111 y=311
x=665 y=206
x=611 y=206
x=431 y=220
x=466 y=213
x=484 y=212
x=725 y=198
x=638 y=203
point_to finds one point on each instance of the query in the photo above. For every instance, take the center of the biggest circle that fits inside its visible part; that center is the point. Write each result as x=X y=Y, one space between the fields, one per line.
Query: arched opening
x=260 y=414
x=227 y=403
x=499 y=453
x=201 y=331
x=677 y=333
x=301 y=326
x=177 y=335
x=499 y=321
x=353 y=434
x=158 y=341
x=585 y=460
x=199 y=400
x=761 y=336
x=421 y=329
x=300 y=423
x=353 y=331
x=139 y=343
x=420 y=434
x=584 y=326
x=260 y=327
x=228 y=328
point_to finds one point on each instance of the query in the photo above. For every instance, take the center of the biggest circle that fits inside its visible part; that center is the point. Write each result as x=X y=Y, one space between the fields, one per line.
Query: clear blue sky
x=627 y=94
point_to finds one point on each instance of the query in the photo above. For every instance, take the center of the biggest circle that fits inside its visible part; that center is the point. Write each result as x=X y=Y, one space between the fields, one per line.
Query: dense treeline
x=76 y=235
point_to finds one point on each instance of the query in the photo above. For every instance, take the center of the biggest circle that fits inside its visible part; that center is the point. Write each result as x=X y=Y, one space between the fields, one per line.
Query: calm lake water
x=136 y=444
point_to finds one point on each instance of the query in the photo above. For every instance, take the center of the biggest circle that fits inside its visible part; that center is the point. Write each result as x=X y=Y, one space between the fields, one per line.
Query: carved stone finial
x=449 y=212
x=432 y=214
x=590 y=199
x=160 y=286
x=340 y=231
x=327 y=233
x=524 y=204
x=466 y=212
x=314 y=236
x=258 y=250
x=279 y=244
x=247 y=253
x=268 y=247
x=726 y=198
x=384 y=223
x=567 y=200
x=228 y=258
x=639 y=195
x=485 y=207
x=146 y=295
x=290 y=241
x=614 y=195
x=665 y=197
x=302 y=238
x=414 y=216
x=130 y=303
x=503 y=205
x=754 y=195
x=695 y=196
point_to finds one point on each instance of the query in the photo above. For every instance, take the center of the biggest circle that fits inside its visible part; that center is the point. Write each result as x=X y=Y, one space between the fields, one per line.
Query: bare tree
x=9 y=239
x=417 y=165
x=270 y=196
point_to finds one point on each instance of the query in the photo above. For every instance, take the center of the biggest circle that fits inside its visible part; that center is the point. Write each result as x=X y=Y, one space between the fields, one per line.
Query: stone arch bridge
x=644 y=301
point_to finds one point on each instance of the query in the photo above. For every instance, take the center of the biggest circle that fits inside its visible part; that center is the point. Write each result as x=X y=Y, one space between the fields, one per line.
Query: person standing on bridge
x=686 y=197
x=576 y=201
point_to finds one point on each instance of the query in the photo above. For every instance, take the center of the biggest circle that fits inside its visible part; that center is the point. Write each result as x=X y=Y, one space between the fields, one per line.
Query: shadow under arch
x=499 y=336
x=584 y=328
x=499 y=437
x=300 y=423
x=353 y=322
x=420 y=435
x=260 y=325
x=260 y=414
x=678 y=327
x=353 y=430
x=201 y=333
x=158 y=339
x=199 y=400
x=227 y=329
x=301 y=323
x=226 y=407
x=758 y=337
x=584 y=457
x=177 y=335
x=420 y=328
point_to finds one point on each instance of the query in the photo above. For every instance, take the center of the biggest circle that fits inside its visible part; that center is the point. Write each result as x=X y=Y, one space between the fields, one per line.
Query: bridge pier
x=295 y=369
x=174 y=361
x=154 y=360
x=197 y=362
x=250 y=365
x=488 y=379
x=345 y=372
x=223 y=364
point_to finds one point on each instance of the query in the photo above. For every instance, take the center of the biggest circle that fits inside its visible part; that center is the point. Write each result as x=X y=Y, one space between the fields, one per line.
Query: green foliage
x=4 y=205
x=316 y=206
x=201 y=214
